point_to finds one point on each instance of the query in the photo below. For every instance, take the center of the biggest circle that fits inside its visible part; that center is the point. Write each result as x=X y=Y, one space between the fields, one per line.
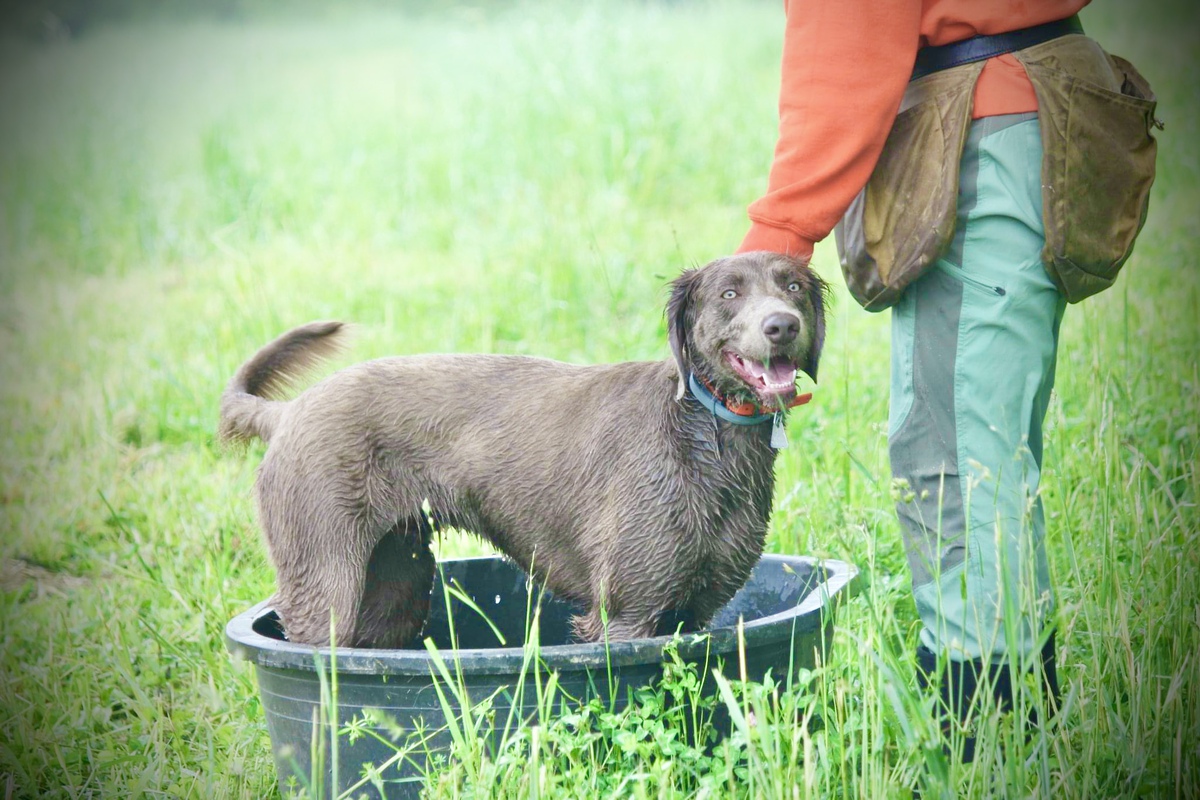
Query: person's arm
x=845 y=66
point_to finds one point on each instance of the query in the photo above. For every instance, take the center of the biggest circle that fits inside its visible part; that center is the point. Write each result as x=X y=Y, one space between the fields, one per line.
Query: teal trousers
x=974 y=343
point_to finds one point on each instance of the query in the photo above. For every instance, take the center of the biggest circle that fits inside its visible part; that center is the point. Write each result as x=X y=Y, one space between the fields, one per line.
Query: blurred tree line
x=49 y=20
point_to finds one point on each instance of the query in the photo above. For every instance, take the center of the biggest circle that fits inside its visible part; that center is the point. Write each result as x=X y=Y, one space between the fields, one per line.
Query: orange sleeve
x=845 y=66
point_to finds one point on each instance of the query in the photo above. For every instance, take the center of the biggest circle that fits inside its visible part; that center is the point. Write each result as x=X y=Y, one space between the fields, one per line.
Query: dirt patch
x=16 y=572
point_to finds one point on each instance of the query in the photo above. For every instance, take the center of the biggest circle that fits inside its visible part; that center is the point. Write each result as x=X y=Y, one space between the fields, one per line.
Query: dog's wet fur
x=611 y=483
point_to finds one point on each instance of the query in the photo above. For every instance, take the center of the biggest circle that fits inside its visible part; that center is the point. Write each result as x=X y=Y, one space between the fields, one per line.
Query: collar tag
x=779 y=440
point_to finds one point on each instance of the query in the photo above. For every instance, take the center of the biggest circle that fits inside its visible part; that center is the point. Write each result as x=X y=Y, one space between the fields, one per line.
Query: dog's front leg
x=395 y=599
x=626 y=624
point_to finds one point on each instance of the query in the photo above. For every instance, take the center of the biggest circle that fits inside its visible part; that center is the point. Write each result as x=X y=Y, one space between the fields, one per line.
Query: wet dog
x=635 y=489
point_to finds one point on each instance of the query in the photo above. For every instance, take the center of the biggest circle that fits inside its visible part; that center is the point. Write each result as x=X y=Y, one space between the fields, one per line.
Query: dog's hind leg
x=395 y=598
x=311 y=598
x=320 y=551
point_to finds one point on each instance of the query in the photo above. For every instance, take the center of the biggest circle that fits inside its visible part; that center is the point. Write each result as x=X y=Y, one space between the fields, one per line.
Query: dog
x=627 y=488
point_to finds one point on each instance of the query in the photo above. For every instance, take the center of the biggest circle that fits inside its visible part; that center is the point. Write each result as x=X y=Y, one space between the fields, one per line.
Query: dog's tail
x=251 y=405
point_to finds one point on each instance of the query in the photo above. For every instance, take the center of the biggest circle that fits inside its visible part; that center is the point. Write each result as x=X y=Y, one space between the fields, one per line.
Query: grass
x=173 y=194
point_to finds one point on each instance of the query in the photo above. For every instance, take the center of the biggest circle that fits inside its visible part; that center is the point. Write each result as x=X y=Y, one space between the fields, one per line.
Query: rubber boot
x=959 y=686
x=1049 y=681
x=956 y=695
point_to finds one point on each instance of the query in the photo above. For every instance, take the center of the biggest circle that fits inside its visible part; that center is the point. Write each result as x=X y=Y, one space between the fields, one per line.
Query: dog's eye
x=794 y=286
x=729 y=294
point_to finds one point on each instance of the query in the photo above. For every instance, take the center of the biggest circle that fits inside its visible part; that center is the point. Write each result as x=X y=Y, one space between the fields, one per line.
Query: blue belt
x=978 y=48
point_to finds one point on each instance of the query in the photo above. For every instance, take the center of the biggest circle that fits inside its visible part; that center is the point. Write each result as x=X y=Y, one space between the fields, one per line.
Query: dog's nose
x=781 y=328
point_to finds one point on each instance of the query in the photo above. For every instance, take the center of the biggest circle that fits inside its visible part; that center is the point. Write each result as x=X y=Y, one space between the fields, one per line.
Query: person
x=920 y=129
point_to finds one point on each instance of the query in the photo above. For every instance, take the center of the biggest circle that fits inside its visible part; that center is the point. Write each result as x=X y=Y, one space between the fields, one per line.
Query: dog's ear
x=679 y=317
x=818 y=291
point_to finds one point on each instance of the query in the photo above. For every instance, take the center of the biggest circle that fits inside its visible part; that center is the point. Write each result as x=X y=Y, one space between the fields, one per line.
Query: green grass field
x=175 y=193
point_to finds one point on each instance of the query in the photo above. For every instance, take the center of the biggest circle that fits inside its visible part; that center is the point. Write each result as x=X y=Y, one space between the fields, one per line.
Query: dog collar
x=741 y=413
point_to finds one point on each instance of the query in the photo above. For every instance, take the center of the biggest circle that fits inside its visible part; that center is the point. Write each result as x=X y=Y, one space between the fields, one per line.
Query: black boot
x=960 y=683
x=1049 y=682
x=956 y=694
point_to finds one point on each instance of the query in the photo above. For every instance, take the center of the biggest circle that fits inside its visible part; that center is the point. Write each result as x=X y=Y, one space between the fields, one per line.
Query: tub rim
x=264 y=651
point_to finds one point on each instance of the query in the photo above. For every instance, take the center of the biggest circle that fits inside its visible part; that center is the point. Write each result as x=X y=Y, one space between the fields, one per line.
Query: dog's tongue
x=777 y=377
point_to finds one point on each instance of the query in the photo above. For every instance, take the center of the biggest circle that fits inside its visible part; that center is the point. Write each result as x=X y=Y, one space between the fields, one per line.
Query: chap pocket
x=904 y=218
x=1098 y=168
x=908 y=216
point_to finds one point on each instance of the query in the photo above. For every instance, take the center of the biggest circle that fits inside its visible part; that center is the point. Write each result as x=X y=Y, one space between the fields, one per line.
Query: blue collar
x=714 y=405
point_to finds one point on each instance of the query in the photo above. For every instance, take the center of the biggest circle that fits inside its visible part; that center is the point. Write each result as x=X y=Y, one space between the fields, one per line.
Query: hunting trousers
x=974 y=343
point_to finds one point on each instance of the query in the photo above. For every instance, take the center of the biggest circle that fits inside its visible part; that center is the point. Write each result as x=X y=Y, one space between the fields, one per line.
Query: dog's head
x=746 y=324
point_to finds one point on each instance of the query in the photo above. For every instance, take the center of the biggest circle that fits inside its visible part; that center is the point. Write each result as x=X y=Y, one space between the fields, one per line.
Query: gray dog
x=630 y=488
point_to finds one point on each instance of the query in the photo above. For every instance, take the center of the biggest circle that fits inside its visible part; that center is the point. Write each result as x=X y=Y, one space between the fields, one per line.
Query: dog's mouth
x=773 y=382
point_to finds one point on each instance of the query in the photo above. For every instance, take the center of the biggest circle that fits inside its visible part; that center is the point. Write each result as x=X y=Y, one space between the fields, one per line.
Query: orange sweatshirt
x=845 y=66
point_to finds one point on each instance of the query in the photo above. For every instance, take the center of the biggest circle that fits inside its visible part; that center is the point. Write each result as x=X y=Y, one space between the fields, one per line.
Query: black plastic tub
x=785 y=609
